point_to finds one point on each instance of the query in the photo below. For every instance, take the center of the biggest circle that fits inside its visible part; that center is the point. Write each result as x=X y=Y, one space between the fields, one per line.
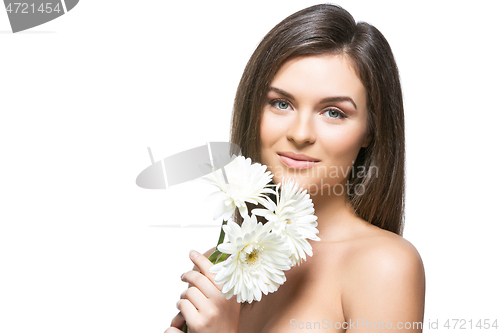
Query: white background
x=83 y=249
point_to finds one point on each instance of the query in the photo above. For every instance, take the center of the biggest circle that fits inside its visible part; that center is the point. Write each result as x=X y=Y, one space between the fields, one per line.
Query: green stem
x=222 y=233
x=213 y=257
x=222 y=258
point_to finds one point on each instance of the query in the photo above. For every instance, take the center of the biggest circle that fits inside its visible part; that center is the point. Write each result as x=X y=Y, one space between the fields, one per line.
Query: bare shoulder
x=384 y=279
x=383 y=252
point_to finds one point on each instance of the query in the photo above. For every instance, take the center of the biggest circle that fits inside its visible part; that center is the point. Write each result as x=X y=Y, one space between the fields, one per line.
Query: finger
x=173 y=330
x=188 y=310
x=203 y=264
x=201 y=282
x=178 y=321
x=195 y=296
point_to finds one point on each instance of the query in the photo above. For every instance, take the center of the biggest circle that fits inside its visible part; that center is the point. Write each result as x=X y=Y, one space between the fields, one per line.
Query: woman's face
x=314 y=123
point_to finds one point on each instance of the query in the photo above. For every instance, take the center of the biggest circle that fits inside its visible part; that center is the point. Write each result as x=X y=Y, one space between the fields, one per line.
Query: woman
x=320 y=102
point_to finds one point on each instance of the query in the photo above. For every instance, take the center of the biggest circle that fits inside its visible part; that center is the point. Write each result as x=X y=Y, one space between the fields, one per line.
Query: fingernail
x=193 y=254
x=182 y=275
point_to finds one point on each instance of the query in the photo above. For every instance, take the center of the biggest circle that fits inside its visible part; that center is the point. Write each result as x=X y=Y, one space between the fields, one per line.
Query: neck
x=336 y=218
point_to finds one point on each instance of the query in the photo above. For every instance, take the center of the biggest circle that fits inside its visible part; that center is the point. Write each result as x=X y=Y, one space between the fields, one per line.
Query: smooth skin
x=361 y=278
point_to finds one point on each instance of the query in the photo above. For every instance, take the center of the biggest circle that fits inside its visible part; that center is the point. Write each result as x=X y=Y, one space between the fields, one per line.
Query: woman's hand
x=201 y=306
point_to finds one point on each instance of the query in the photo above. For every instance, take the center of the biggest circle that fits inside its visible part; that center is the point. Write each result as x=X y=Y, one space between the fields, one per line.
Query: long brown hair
x=322 y=29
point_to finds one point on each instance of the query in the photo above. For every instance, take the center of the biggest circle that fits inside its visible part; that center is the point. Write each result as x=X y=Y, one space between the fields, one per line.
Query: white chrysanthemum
x=247 y=182
x=256 y=262
x=293 y=217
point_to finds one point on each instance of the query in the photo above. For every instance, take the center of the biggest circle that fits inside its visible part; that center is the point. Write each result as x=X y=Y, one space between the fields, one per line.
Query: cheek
x=264 y=130
x=343 y=145
x=271 y=129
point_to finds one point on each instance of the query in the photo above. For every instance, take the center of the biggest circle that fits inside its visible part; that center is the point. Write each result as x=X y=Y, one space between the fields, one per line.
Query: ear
x=367 y=141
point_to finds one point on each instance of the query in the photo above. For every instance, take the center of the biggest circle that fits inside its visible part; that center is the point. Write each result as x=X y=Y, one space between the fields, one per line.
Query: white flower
x=247 y=182
x=293 y=217
x=256 y=262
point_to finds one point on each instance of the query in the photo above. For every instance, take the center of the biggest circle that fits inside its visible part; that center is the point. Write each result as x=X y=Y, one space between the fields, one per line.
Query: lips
x=297 y=161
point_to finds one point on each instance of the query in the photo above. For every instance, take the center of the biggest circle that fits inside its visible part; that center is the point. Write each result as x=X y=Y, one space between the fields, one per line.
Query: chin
x=304 y=182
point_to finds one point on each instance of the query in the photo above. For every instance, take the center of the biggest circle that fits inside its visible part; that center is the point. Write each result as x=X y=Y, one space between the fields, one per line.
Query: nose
x=301 y=130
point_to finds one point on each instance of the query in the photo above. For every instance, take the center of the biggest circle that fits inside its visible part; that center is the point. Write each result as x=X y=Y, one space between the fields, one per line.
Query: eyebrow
x=324 y=100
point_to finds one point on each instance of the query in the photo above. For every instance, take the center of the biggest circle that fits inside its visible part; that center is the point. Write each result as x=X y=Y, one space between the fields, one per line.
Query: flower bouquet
x=258 y=253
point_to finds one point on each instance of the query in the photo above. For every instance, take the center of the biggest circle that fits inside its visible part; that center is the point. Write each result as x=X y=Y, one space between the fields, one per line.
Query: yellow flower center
x=253 y=256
